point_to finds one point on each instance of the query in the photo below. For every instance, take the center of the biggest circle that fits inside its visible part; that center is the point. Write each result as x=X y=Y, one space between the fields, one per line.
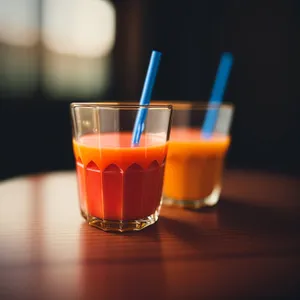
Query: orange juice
x=117 y=181
x=194 y=165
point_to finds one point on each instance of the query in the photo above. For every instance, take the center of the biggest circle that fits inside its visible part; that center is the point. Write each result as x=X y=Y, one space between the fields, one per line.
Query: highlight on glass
x=119 y=184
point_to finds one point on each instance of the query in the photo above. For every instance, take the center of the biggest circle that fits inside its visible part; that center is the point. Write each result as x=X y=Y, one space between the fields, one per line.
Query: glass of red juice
x=119 y=184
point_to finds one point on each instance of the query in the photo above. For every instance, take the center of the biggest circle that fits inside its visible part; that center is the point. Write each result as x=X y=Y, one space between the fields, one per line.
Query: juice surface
x=117 y=181
x=194 y=165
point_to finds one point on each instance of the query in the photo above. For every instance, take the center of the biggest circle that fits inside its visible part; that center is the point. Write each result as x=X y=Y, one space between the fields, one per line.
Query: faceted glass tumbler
x=119 y=183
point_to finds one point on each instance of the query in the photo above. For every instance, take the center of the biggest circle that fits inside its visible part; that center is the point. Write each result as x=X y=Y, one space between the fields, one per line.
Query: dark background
x=263 y=36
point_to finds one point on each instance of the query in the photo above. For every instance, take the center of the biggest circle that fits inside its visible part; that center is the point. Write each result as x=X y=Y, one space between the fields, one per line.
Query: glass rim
x=119 y=105
x=199 y=105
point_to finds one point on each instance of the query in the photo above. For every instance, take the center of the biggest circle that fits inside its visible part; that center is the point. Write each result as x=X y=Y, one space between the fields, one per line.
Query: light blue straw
x=217 y=94
x=146 y=97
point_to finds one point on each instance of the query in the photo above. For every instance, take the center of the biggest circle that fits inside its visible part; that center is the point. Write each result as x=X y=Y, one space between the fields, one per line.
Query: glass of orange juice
x=120 y=184
x=194 y=166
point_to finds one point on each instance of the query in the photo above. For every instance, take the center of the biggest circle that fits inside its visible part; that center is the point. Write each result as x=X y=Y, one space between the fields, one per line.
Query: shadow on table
x=191 y=234
x=252 y=218
x=118 y=266
x=242 y=229
x=239 y=215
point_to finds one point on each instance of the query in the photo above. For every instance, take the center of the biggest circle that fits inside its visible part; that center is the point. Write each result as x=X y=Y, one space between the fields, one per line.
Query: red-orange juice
x=118 y=182
x=194 y=166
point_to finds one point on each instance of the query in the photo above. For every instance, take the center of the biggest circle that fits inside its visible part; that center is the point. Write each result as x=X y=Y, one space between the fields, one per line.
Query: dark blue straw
x=217 y=94
x=146 y=97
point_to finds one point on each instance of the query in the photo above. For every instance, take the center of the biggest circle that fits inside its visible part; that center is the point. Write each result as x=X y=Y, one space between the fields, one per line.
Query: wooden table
x=248 y=246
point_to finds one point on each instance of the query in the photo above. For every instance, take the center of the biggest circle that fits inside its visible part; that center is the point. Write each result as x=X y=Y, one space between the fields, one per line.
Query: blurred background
x=53 y=52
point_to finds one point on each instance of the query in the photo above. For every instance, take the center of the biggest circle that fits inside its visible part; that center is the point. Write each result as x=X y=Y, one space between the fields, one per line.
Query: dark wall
x=263 y=37
x=35 y=137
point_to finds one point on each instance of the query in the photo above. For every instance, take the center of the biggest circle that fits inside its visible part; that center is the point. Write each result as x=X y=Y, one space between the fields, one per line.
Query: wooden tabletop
x=248 y=246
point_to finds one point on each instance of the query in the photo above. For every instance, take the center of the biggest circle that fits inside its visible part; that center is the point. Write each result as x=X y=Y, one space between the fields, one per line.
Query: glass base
x=83 y=214
x=208 y=201
x=123 y=226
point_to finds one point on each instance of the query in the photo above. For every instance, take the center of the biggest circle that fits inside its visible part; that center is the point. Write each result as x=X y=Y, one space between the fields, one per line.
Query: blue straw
x=146 y=97
x=217 y=94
